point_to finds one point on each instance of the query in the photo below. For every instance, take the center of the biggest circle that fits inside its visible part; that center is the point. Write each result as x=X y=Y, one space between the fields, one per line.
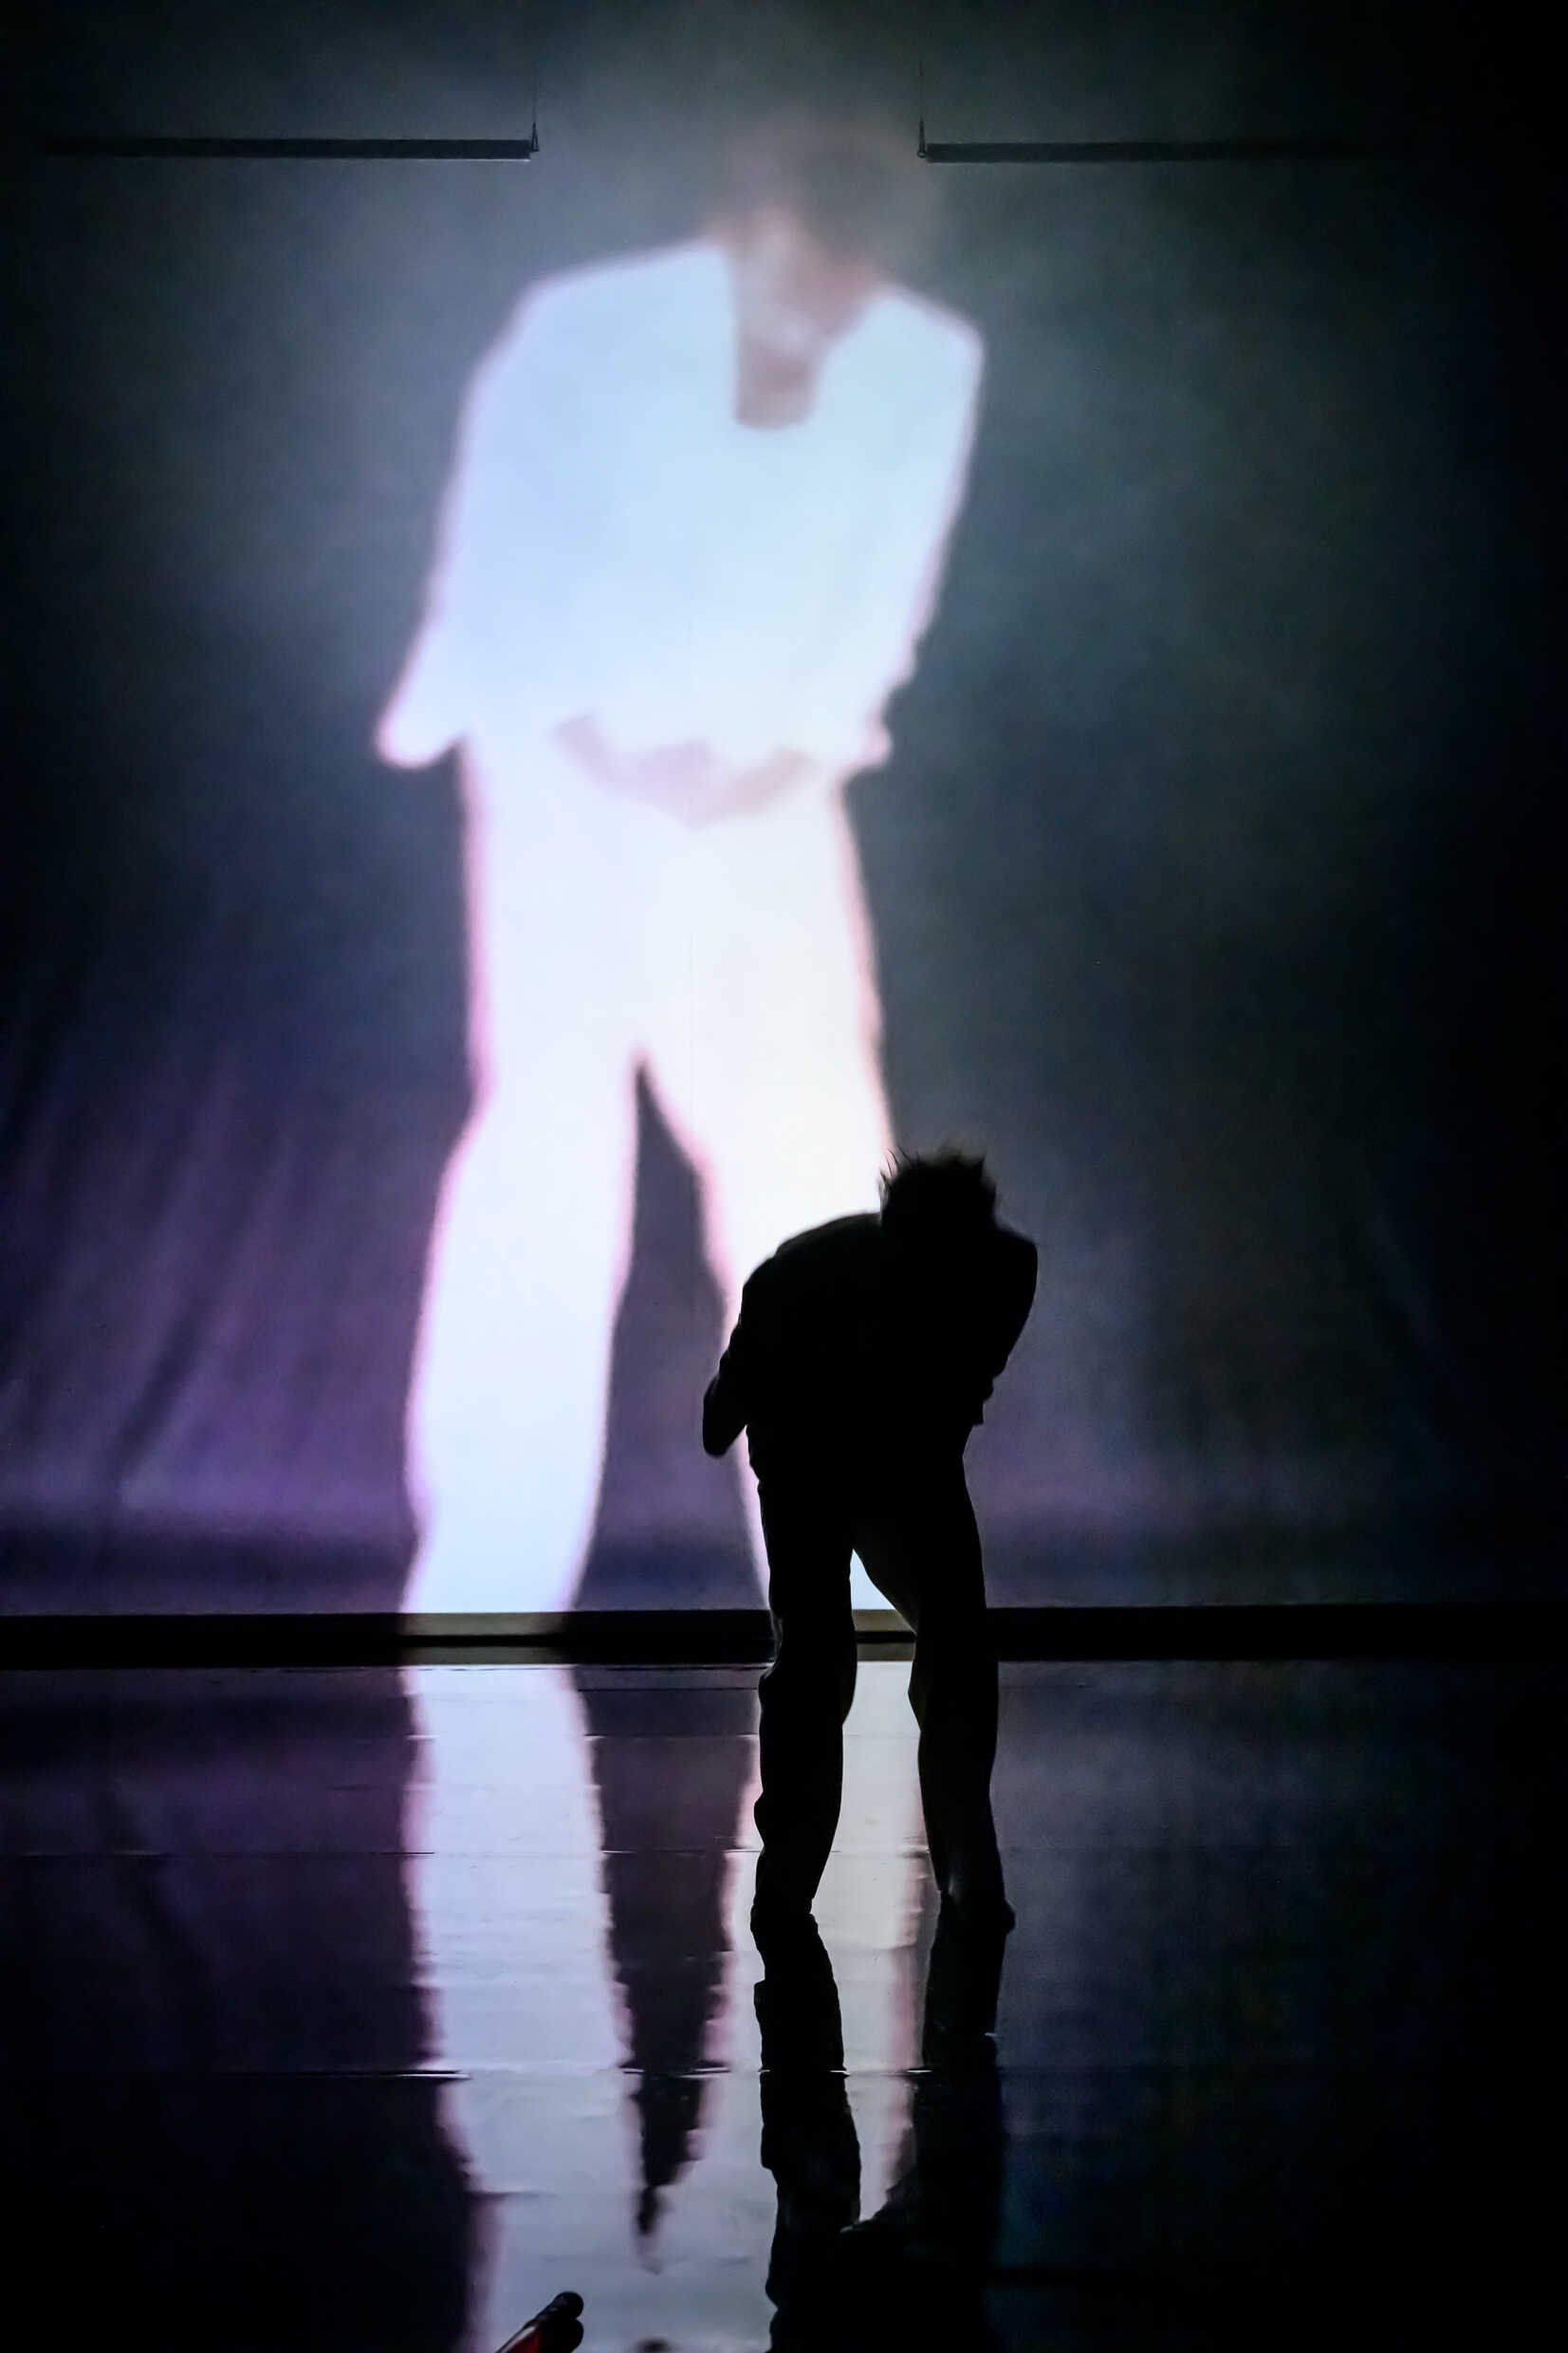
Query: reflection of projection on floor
x=507 y=1889
x=870 y=1913
x=868 y=1909
x=504 y=1889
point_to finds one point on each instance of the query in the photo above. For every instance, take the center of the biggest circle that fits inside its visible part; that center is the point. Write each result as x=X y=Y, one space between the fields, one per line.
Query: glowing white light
x=622 y=556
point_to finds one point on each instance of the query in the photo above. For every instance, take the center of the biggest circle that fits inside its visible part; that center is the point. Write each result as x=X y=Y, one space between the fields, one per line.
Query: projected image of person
x=693 y=536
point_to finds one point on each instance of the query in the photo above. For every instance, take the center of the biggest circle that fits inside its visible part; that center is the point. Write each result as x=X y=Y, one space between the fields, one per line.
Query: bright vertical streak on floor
x=867 y=1908
x=505 y=1889
x=506 y=1884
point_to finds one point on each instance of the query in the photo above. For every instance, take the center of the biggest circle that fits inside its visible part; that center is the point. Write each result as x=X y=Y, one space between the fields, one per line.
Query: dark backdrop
x=1215 y=873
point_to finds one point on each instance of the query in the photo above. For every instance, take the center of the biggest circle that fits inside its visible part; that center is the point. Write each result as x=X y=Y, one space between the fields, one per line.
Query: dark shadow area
x=1278 y=2025
x=216 y=2131
x=1281 y=2017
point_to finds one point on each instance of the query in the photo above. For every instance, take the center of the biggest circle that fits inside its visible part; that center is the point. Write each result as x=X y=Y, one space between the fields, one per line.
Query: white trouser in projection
x=732 y=962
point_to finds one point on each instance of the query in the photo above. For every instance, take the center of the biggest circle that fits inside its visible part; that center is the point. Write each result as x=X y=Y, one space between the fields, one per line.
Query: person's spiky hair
x=937 y=1193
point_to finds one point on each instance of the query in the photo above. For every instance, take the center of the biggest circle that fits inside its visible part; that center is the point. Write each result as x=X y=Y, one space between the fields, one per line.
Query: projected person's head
x=939 y=1207
x=814 y=219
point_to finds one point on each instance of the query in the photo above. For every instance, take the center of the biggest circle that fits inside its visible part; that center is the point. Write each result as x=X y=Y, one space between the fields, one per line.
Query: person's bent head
x=855 y=190
x=815 y=216
x=937 y=1203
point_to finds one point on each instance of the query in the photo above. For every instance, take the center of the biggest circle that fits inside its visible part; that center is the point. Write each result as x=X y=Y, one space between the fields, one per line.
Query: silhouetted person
x=861 y=1360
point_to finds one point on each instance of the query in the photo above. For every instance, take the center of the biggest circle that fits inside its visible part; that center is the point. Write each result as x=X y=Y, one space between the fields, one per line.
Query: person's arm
x=728 y=1402
x=870 y=637
x=1015 y=1298
x=688 y=781
x=1018 y=1274
x=723 y=1406
x=487 y=655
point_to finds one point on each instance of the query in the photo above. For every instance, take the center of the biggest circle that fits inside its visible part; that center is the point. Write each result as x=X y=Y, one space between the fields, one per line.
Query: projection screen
x=566 y=709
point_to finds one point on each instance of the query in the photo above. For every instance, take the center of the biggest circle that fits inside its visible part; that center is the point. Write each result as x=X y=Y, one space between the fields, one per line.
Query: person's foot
x=964 y=1981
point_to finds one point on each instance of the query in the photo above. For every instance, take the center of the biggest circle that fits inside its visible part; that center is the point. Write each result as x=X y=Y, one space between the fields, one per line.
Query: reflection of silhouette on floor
x=214 y=2132
x=915 y=2273
x=672 y=1760
x=860 y=1362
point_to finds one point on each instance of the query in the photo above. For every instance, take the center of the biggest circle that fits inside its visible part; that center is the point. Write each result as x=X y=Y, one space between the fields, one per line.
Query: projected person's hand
x=684 y=780
x=688 y=780
x=693 y=783
x=755 y=787
x=676 y=777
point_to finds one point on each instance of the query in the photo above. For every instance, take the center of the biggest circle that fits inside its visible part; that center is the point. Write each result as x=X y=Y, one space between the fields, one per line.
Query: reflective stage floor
x=368 y=2009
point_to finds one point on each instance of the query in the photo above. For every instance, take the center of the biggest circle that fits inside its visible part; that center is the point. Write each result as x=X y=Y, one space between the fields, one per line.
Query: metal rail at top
x=302 y=150
x=135 y=145
x=1152 y=150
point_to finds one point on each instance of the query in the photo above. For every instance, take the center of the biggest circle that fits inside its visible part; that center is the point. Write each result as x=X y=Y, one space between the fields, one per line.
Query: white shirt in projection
x=614 y=543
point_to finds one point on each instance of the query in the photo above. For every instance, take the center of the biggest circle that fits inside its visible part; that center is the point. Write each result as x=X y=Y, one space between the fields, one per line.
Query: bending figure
x=862 y=1359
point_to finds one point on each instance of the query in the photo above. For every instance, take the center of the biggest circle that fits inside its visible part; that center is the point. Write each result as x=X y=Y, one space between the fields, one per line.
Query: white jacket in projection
x=616 y=545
